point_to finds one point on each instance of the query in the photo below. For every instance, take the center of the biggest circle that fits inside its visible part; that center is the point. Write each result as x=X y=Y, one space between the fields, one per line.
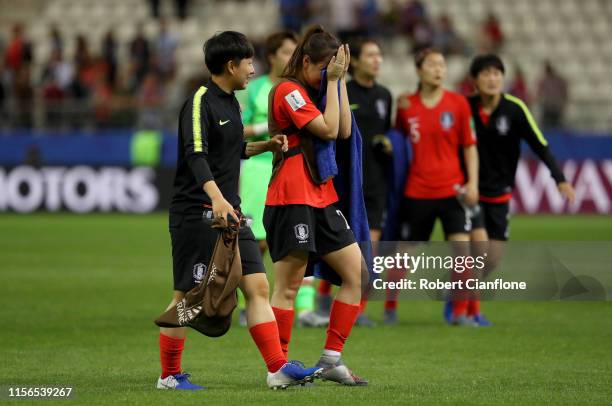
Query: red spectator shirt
x=293 y=184
x=437 y=136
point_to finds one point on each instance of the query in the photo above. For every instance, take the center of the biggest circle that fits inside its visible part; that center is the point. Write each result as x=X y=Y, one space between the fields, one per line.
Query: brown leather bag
x=208 y=307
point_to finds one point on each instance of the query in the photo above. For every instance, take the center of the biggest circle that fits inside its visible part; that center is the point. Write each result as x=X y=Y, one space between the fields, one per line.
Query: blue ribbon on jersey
x=348 y=183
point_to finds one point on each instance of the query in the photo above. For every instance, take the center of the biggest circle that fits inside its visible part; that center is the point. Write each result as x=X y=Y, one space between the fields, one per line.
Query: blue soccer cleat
x=448 y=311
x=364 y=321
x=482 y=320
x=291 y=374
x=390 y=318
x=178 y=381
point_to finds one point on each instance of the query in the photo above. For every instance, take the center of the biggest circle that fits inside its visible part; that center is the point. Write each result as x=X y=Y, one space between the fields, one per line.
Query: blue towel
x=349 y=186
x=325 y=151
x=396 y=181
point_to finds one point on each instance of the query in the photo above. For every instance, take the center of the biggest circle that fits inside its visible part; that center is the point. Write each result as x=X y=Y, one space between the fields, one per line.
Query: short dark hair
x=224 y=47
x=482 y=62
x=356 y=46
x=421 y=55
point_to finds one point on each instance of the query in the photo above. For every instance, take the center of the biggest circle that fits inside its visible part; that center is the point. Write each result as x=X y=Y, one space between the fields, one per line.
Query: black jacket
x=499 y=144
x=210 y=146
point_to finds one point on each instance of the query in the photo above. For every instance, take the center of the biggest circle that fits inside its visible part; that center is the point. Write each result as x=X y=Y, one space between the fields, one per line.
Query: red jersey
x=437 y=135
x=293 y=184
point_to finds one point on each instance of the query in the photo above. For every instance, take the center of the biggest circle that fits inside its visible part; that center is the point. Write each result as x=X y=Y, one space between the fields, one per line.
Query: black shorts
x=193 y=242
x=376 y=205
x=417 y=218
x=305 y=228
x=494 y=218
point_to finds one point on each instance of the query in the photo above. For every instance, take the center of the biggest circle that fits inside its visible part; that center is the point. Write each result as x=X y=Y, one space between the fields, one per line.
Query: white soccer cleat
x=292 y=374
x=178 y=382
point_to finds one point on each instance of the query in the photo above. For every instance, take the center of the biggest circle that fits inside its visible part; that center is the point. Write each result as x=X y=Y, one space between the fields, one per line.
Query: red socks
x=460 y=308
x=473 y=307
x=170 y=351
x=390 y=305
x=266 y=338
x=465 y=302
x=394 y=275
x=284 y=320
x=324 y=288
x=341 y=320
x=362 y=305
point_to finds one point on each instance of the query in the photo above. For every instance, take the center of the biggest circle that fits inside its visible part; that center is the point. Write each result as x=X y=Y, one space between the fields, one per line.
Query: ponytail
x=318 y=44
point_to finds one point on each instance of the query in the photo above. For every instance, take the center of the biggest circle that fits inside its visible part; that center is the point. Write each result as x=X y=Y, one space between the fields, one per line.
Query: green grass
x=80 y=293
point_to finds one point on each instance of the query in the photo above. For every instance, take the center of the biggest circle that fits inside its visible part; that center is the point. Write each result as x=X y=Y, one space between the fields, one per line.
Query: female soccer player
x=210 y=145
x=255 y=173
x=371 y=105
x=300 y=218
x=438 y=123
x=502 y=121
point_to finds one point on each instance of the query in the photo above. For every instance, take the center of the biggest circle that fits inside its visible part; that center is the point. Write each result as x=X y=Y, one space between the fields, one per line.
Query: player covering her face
x=300 y=218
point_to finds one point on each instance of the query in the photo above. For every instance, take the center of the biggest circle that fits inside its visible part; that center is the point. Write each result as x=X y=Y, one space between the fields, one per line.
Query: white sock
x=330 y=356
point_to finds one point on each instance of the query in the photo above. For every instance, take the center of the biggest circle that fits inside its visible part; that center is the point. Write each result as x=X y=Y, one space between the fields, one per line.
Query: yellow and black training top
x=210 y=146
x=499 y=144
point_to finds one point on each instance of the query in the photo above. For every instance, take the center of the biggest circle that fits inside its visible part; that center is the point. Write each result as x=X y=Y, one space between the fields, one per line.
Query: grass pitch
x=80 y=292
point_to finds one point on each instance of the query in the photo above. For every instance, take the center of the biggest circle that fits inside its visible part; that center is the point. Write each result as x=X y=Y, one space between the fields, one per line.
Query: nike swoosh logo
x=223 y=122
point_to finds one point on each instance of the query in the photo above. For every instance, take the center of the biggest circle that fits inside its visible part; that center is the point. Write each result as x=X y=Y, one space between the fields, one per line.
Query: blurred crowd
x=89 y=89
x=407 y=19
x=101 y=90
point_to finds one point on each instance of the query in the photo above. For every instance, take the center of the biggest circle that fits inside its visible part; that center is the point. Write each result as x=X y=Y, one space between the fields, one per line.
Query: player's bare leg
x=347 y=263
x=288 y=276
x=256 y=290
x=179 y=332
x=242 y=313
x=264 y=331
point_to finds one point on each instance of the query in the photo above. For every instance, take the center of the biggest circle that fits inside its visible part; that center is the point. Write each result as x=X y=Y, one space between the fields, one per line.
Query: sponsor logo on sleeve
x=295 y=100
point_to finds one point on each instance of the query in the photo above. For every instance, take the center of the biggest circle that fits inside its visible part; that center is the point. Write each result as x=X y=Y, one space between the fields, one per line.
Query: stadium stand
x=572 y=34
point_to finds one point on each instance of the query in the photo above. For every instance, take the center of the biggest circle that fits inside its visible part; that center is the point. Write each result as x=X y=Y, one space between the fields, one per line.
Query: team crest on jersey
x=301 y=232
x=503 y=125
x=199 y=270
x=447 y=119
x=381 y=108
